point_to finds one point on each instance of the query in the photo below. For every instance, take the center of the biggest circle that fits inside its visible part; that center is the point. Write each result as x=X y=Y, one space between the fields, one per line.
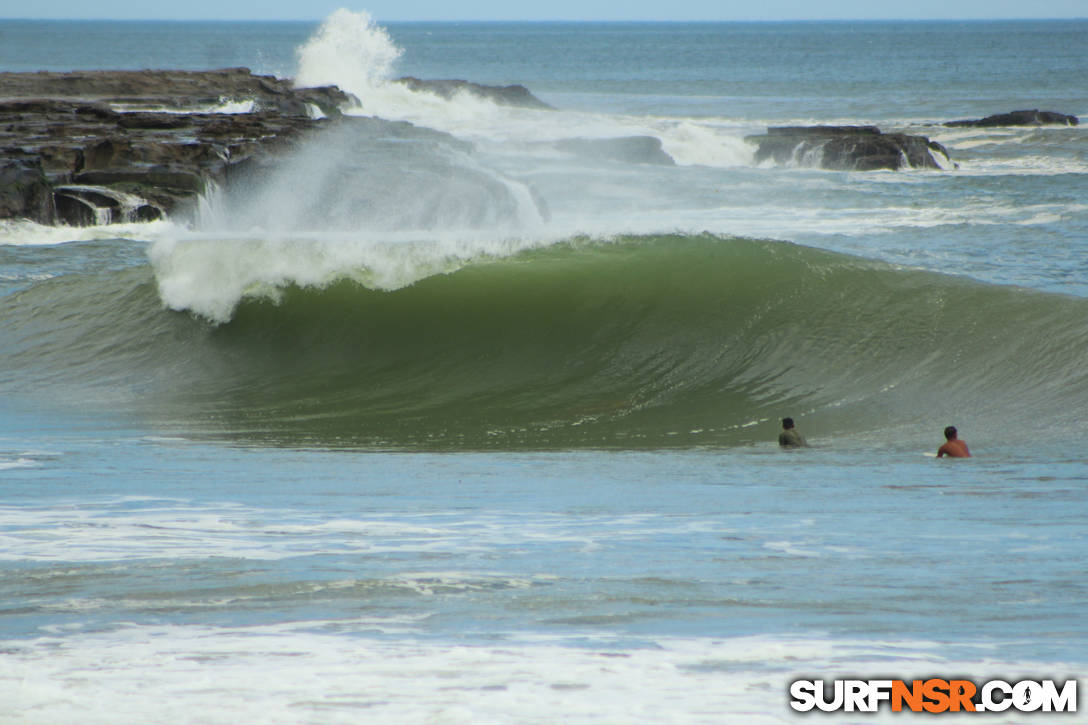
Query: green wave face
x=634 y=342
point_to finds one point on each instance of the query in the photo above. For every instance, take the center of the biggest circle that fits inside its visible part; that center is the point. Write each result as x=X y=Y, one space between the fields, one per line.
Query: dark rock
x=849 y=148
x=514 y=95
x=1021 y=118
x=175 y=89
x=91 y=147
x=74 y=210
x=824 y=131
x=149 y=121
x=83 y=205
x=81 y=128
x=630 y=149
x=168 y=177
x=25 y=192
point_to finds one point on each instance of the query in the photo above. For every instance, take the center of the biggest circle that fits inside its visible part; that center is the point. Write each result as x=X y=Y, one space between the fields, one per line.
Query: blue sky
x=390 y=10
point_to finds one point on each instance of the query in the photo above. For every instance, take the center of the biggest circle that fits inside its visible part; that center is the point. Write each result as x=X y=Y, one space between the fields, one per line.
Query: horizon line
x=565 y=20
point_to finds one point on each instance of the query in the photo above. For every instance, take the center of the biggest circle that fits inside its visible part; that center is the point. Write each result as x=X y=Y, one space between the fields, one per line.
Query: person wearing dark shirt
x=789 y=437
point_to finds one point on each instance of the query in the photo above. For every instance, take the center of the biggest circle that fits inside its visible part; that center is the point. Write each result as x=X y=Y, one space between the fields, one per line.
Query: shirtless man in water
x=953 y=447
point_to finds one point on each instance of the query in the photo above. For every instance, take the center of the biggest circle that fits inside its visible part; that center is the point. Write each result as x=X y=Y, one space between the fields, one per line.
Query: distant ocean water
x=485 y=431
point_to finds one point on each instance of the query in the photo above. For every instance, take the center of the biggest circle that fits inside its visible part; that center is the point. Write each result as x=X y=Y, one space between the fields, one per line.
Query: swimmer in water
x=789 y=437
x=953 y=447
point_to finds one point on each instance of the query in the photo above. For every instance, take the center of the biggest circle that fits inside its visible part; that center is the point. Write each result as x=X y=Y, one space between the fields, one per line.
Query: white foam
x=324 y=672
x=942 y=160
x=791 y=548
x=131 y=529
x=1026 y=165
x=225 y=106
x=28 y=233
x=209 y=275
x=976 y=136
x=231 y=107
x=20 y=462
x=699 y=143
x=25 y=459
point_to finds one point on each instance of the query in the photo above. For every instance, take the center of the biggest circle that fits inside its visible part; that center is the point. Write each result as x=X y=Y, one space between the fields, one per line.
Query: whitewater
x=473 y=418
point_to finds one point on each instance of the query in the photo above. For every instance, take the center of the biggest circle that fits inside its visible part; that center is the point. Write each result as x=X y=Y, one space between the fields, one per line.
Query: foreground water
x=292 y=585
x=488 y=435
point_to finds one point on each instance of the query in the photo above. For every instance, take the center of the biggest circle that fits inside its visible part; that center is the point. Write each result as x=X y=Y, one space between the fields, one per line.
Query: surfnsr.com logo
x=934 y=695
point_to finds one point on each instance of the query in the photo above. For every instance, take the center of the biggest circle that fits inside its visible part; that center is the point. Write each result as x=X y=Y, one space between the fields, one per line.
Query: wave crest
x=638 y=341
x=651 y=340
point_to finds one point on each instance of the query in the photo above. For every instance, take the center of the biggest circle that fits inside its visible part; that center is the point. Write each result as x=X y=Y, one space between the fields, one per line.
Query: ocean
x=481 y=427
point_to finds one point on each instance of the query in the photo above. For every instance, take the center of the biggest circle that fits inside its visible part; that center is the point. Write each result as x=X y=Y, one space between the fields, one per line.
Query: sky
x=394 y=10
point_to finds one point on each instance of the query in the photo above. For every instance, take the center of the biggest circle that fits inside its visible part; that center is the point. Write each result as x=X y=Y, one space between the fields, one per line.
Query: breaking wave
x=641 y=341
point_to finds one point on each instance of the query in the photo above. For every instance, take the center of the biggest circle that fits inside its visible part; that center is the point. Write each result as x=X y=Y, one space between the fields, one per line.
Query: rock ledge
x=848 y=148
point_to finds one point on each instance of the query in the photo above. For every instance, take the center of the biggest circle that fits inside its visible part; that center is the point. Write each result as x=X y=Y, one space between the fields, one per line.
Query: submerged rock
x=849 y=148
x=1033 y=117
x=514 y=95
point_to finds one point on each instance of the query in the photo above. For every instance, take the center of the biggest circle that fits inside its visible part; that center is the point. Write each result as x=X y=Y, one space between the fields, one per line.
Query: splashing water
x=349 y=50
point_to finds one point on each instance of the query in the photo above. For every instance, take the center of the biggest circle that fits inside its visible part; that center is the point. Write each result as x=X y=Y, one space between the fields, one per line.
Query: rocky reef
x=1033 y=117
x=92 y=147
x=848 y=148
x=99 y=147
x=515 y=95
x=867 y=148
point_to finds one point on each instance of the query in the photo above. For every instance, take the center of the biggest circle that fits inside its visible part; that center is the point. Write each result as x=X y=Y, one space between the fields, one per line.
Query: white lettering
x=879 y=691
x=994 y=696
x=856 y=696
x=989 y=704
x=836 y=702
x=1064 y=701
x=1027 y=696
x=803 y=693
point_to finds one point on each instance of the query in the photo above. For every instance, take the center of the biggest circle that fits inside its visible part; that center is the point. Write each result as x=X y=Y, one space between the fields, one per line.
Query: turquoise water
x=413 y=433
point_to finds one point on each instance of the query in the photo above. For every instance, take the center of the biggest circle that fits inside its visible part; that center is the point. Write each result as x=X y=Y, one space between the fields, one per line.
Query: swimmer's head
x=950 y=432
x=787 y=423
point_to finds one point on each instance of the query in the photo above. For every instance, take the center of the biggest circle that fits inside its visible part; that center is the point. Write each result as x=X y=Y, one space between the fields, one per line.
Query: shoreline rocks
x=176 y=90
x=76 y=148
x=95 y=147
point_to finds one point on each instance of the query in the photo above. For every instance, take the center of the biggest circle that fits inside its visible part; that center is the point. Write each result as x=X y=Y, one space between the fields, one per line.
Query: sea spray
x=349 y=50
x=694 y=143
x=382 y=211
x=353 y=52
